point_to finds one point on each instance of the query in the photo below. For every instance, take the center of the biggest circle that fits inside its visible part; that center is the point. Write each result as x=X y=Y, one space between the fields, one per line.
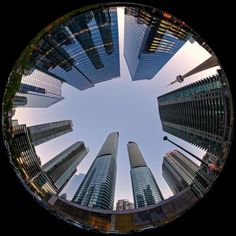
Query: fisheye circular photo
x=117 y=118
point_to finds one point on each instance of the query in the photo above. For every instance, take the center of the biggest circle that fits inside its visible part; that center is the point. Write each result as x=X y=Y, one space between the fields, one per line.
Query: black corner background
x=22 y=20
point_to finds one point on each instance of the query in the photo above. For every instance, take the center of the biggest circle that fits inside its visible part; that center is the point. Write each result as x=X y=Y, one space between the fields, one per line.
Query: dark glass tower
x=200 y=113
x=45 y=132
x=145 y=188
x=83 y=51
x=63 y=166
x=98 y=187
x=151 y=39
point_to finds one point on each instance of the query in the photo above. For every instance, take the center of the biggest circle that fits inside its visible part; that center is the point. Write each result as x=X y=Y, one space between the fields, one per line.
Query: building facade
x=28 y=163
x=83 y=51
x=48 y=131
x=151 y=39
x=144 y=186
x=199 y=113
x=178 y=171
x=38 y=90
x=98 y=187
x=124 y=204
x=63 y=166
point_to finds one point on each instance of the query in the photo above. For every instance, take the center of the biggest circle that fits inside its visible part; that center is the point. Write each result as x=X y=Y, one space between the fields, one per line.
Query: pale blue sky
x=121 y=105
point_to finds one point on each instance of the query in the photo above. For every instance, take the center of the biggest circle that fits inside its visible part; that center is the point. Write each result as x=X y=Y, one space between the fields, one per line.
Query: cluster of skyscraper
x=85 y=51
x=98 y=186
x=53 y=175
x=81 y=52
x=200 y=113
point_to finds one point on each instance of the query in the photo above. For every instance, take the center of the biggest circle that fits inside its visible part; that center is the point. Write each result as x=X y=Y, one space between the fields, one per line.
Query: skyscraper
x=151 y=39
x=28 y=163
x=63 y=166
x=45 y=132
x=178 y=170
x=124 y=204
x=145 y=188
x=38 y=90
x=83 y=51
x=200 y=113
x=98 y=187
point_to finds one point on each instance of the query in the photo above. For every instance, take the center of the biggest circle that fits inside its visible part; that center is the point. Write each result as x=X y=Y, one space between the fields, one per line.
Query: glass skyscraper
x=63 y=166
x=200 y=113
x=45 y=132
x=38 y=90
x=83 y=51
x=151 y=39
x=98 y=187
x=145 y=188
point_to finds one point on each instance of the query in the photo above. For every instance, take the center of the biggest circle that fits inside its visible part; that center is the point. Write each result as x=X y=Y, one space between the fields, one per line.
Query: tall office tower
x=178 y=170
x=86 y=48
x=63 y=166
x=45 y=132
x=200 y=113
x=124 y=204
x=145 y=188
x=103 y=21
x=38 y=90
x=48 y=54
x=151 y=39
x=98 y=187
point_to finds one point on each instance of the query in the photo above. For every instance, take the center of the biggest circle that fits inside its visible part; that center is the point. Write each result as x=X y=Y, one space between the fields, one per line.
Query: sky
x=129 y=107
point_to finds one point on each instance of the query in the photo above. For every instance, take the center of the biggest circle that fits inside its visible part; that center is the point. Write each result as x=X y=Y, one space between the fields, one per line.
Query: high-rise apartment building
x=151 y=39
x=98 y=187
x=83 y=51
x=63 y=166
x=45 y=132
x=178 y=170
x=145 y=188
x=199 y=113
